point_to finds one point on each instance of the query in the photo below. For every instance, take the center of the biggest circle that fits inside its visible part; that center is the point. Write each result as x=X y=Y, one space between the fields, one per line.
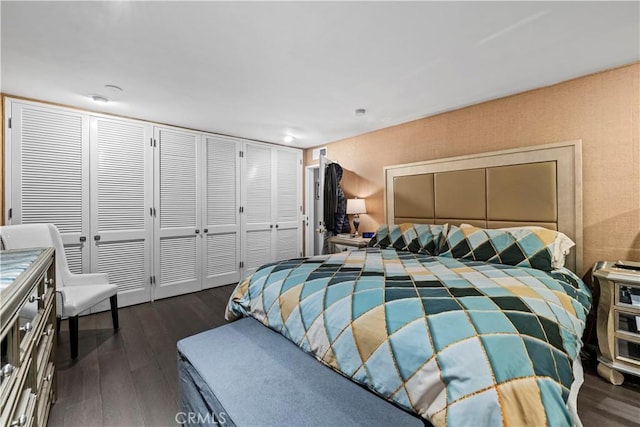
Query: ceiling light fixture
x=100 y=99
x=360 y=112
x=289 y=139
x=113 y=88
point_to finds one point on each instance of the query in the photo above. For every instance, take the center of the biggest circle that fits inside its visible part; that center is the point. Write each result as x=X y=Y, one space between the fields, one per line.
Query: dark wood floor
x=130 y=378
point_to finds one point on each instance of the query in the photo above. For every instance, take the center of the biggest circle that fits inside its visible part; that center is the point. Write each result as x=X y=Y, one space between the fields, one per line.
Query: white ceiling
x=263 y=70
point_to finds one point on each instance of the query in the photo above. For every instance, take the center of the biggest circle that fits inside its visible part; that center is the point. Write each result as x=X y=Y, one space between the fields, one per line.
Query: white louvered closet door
x=121 y=195
x=287 y=207
x=50 y=175
x=258 y=206
x=221 y=233
x=177 y=263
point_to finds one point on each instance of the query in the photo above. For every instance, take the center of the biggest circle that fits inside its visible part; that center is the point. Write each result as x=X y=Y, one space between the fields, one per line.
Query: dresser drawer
x=9 y=376
x=32 y=320
x=24 y=414
x=45 y=395
x=628 y=322
x=628 y=351
x=627 y=296
x=15 y=390
x=44 y=353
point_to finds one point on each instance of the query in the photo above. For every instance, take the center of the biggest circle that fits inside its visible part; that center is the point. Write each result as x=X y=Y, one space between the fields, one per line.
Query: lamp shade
x=356 y=206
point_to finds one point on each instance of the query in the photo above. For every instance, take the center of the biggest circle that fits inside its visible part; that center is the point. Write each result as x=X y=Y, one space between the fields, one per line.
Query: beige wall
x=603 y=110
x=2 y=181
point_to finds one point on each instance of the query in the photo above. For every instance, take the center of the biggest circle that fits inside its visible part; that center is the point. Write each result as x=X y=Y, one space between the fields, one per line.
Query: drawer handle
x=47 y=378
x=27 y=327
x=49 y=282
x=22 y=420
x=46 y=333
x=7 y=370
x=34 y=298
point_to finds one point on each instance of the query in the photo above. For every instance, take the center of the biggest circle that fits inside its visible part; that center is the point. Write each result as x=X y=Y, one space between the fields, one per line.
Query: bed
x=440 y=321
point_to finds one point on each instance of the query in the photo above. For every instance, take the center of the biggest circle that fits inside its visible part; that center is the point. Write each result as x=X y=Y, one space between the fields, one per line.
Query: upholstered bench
x=245 y=374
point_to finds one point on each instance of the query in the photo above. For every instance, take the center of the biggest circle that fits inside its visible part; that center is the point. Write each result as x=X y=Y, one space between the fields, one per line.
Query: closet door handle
x=96 y=237
x=197 y=231
x=276 y=225
x=206 y=230
x=270 y=225
x=83 y=238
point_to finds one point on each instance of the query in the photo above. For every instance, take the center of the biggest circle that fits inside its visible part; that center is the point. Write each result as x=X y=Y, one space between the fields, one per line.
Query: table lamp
x=356 y=207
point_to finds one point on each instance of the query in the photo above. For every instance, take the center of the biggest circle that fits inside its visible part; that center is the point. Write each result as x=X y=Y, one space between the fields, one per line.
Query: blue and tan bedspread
x=457 y=342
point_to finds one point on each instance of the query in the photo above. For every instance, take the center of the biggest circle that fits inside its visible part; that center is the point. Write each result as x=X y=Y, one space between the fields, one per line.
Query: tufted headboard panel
x=539 y=185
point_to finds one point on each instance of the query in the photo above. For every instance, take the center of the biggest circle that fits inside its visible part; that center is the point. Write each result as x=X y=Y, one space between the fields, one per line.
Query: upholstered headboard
x=539 y=185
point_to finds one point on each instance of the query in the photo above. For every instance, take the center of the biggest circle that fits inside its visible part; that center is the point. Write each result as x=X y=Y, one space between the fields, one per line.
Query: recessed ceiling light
x=113 y=88
x=289 y=139
x=100 y=99
x=360 y=112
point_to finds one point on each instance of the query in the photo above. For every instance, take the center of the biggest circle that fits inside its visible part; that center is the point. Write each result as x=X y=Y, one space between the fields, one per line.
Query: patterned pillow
x=385 y=236
x=561 y=246
x=416 y=238
x=520 y=247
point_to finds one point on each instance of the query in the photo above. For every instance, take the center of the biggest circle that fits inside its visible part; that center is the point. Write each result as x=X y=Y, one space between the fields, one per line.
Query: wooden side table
x=347 y=241
x=618 y=322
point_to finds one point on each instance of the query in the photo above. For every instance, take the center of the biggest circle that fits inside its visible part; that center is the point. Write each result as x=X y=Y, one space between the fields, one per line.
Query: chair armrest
x=87 y=279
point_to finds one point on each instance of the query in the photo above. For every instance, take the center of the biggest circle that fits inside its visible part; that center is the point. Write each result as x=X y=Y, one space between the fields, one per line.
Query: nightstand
x=346 y=242
x=618 y=321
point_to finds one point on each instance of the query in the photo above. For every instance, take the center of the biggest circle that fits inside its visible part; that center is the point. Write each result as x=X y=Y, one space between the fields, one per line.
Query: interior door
x=50 y=175
x=121 y=189
x=177 y=216
x=221 y=233
x=320 y=230
x=258 y=206
x=287 y=204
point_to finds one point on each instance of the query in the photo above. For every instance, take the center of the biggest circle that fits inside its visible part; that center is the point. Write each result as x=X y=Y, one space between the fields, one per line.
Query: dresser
x=618 y=322
x=28 y=332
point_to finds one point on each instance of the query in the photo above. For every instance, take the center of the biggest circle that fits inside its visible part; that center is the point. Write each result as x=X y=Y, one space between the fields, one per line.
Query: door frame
x=309 y=212
x=180 y=287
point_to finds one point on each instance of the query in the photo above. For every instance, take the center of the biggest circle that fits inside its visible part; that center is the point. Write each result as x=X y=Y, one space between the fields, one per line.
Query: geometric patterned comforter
x=457 y=342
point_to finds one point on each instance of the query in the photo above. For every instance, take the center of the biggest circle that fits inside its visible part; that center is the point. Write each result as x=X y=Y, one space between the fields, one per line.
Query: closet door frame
x=13 y=172
x=177 y=287
x=282 y=225
x=154 y=233
x=125 y=297
x=211 y=230
x=266 y=223
x=273 y=224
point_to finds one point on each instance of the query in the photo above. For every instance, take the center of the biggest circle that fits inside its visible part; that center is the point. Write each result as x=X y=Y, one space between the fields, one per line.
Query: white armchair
x=76 y=292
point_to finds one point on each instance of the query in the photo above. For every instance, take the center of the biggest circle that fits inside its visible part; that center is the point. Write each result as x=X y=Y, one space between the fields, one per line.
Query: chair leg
x=114 y=312
x=73 y=336
x=58 y=323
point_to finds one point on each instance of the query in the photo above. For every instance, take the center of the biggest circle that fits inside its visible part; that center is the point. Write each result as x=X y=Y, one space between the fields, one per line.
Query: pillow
x=385 y=236
x=521 y=247
x=561 y=246
x=416 y=238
